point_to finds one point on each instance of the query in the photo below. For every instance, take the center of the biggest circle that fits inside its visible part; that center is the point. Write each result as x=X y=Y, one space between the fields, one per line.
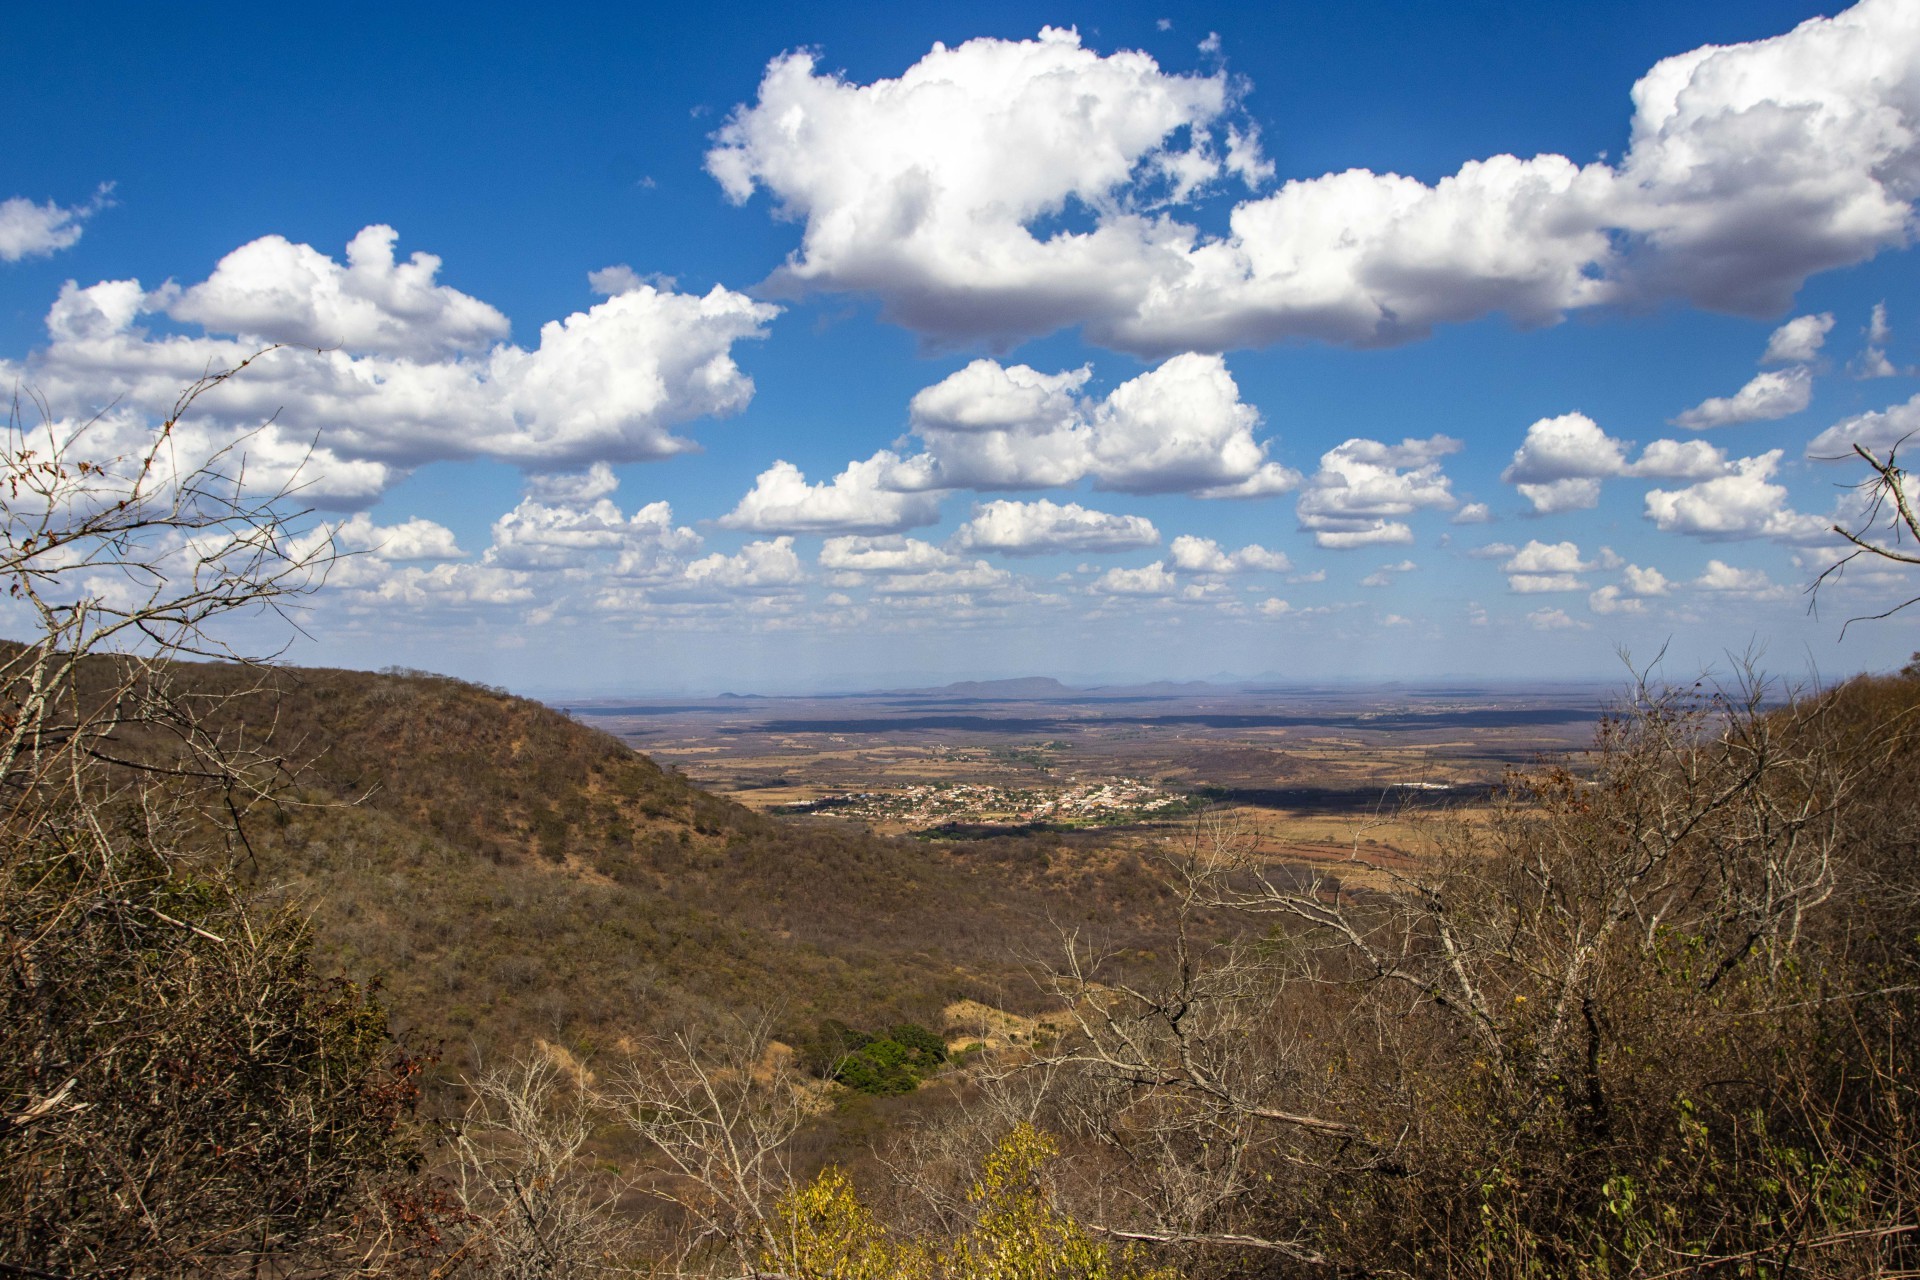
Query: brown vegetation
x=182 y=1090
x=1656 y=1020
x=507 y=873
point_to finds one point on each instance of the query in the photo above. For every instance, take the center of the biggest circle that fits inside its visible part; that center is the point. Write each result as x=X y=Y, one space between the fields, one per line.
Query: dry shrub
x=1657 y=1019
x=182 y=1091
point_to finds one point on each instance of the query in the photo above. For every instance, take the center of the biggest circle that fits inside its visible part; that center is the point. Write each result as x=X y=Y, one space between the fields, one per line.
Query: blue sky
x=907 y=343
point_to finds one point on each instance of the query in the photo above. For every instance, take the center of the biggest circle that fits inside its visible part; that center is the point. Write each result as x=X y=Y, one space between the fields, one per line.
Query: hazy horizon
x=1226 y=684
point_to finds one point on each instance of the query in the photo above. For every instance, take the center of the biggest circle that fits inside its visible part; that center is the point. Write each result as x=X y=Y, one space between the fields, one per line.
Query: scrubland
x=1648 y=1011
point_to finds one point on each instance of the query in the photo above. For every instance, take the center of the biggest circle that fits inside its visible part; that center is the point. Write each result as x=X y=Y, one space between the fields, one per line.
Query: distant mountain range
x=1019 y=687
x=1028 y=688
x=1050 y=689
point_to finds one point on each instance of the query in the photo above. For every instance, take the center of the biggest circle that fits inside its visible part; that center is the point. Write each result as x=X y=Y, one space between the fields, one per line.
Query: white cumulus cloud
x=1743 y=504
x=1873 y=362
x=1364 y=488
x=1041 y=528
x=1799 y=340
x=964 y=580
x=1749 y=168
x=567 y=551
x=1543 y=566
x=1779 y=393
x=1721 y=578
x=1613 y=599
x=769 y=566
x=921 y=189
x=542 y=535
x=1191 y=554
x=621 y=278
x=1644 y=582
x=1681 y=460
x=596 y=481
x=1149 y=580
x=29 y=230
x=887 y=553
x=1631 y=593
x=450 y=587
x=1881 y=430
x=407 y=380
x=412 y=539
x=279 y=291
x=1180 y=427
x=1560 y=464
x=855 y=501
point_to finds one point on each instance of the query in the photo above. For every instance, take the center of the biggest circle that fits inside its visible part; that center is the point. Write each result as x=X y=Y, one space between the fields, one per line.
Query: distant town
x=1105 y=802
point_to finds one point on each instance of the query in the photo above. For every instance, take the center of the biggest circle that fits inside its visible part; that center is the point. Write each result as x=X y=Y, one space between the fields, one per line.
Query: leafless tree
x=717 y=1111
x=115 y=571
x=1887 y=527
x=541 y=1212
x=1360 y=1025
x=1188 y=1082
x=180 y=1092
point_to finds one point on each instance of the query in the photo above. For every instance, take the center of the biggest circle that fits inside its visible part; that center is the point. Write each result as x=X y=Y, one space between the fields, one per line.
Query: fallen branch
x=1299 y=1253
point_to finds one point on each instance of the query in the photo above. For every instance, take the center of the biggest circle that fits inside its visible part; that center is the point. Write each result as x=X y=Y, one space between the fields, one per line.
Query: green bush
x=882 y=1065
x=928 y=1050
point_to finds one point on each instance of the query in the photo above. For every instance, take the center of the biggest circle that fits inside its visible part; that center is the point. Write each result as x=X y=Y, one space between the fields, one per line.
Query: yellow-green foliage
x=823 y=1232
x=826 y=1233
x=1020 y=1235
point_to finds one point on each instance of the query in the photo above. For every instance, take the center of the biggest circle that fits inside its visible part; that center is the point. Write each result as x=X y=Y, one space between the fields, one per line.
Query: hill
x=508 y=873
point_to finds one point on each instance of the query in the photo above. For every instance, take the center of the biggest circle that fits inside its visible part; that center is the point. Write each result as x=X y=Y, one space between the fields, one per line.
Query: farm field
x=1306 y=766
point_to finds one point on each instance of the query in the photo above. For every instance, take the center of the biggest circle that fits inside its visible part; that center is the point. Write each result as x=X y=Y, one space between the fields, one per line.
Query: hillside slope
x=508 y=873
